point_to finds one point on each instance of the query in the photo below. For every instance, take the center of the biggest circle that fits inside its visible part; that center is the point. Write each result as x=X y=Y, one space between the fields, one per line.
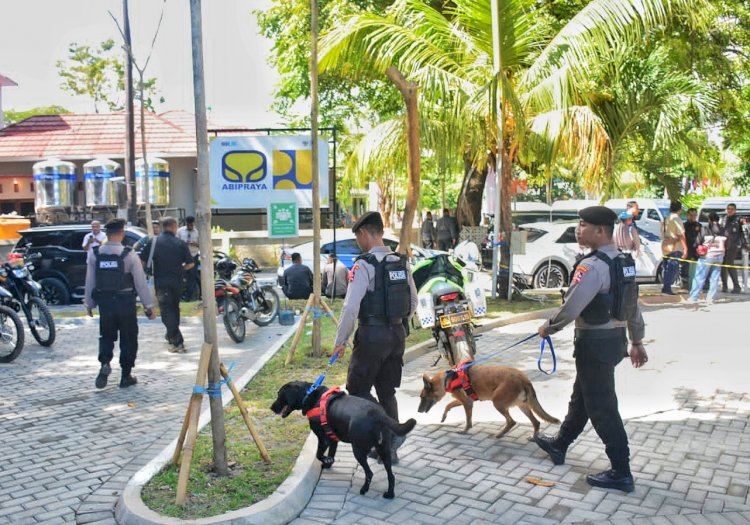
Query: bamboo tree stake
x=194 y=411
x=183 y=433
x=300 y=329
x=329 y=311
x=245 y=415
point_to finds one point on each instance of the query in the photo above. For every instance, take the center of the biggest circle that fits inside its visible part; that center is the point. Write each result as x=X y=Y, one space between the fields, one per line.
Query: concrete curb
x=130 y=509
x=288 y=501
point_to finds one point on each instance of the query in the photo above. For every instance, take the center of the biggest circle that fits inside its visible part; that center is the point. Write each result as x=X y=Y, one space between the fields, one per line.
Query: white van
x=719 y=205
x=527 y=212
x=651 y=214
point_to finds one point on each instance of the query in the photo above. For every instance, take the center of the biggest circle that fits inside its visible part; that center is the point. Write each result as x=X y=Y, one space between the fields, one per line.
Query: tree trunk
x=409 y=91
x=316 y=346
x=506 y=218
x=469 y=209
x=146 y=171
x=130 y=190
x=203 y=220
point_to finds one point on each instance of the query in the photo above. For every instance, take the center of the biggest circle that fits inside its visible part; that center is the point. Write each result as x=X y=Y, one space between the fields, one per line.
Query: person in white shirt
x=96 y=237
x=189 y=234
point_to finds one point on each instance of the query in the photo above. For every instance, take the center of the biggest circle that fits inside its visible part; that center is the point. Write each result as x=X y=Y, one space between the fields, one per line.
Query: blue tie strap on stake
x=215 y=390
x=317 y=313
x=541 y=354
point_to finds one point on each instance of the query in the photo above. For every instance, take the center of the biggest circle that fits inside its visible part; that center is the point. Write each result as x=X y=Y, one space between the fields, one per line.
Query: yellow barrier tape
x=737 y=266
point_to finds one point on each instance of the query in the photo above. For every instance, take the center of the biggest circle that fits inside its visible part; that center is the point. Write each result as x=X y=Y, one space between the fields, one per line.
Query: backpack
x=623 y=287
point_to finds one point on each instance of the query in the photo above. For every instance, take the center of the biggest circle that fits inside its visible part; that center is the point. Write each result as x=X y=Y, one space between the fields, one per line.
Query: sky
x=35 y=34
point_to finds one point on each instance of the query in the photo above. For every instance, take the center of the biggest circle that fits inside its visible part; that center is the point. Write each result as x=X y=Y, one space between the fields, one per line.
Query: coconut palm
x=447 y=51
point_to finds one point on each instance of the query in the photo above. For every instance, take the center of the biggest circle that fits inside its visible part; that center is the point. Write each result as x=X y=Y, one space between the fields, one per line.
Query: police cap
x=370 y=217
x=598 y=215
x=115 y=225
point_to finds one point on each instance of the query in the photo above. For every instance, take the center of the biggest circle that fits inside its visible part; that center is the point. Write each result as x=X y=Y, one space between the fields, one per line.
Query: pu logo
x=244 y=170
x=292 y=169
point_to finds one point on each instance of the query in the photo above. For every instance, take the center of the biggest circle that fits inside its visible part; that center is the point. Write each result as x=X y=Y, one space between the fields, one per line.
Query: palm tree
x=447 y=52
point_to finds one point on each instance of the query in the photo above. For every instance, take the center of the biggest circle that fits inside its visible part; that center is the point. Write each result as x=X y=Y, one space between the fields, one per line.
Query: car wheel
x=54 y=291
x=550 y=275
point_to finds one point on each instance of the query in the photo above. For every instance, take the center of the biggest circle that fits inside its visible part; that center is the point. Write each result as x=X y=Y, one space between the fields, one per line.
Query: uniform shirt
x=170 y=253
x=447 y=228
x=342 y=279
x=428 y=230
x=297 y=282
x=189 y=236
x=362 y=280
x=627 y=238
x=131 y=265
x=99 y=239
x=732 y=231
x=693 y=237
x=592 y=277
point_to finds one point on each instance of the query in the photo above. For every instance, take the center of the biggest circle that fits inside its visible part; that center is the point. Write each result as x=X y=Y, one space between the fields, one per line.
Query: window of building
x=16 y=186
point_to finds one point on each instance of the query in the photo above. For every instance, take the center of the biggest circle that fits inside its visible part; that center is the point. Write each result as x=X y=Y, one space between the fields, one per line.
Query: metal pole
x=316 y=348
x=500 y=157
x=130 y=191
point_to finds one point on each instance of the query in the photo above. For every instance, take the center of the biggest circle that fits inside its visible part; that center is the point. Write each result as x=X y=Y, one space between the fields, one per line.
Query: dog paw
x=388 y=495
x=327 y=462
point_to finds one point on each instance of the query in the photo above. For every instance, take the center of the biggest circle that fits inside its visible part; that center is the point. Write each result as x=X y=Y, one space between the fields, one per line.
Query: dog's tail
x=400 y=429
x=533 y=402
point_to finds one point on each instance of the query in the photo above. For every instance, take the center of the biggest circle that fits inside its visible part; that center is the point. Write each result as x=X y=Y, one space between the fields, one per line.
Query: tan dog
x=503 y=385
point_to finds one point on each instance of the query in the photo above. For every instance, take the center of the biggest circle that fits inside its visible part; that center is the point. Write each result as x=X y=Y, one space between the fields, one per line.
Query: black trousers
x=377 y=360
x=445 y=244
x=168 y=295
x=594 y=395
x=191 y=281
x=729 y=256
x=117 y=316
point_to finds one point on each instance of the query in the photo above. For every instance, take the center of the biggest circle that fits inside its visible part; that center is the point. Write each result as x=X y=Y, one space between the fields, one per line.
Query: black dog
x=354 y=420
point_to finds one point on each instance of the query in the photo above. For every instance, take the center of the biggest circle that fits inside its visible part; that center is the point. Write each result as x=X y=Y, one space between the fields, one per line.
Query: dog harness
x=321 y=411
x=461 y=379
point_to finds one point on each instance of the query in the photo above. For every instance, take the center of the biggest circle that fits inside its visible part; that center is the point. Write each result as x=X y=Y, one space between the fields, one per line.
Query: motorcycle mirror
x=247 y=262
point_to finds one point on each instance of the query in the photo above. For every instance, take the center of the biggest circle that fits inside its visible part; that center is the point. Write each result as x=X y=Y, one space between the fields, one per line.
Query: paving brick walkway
x=68 y=448
x=686 y=415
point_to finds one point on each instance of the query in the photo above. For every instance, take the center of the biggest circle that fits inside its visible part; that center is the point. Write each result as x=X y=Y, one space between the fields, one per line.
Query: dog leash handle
x=547 y=339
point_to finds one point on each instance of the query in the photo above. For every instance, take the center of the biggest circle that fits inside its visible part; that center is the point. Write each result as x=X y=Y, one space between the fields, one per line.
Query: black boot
x=548 y=444
x=612 y=479
x=127 y=380
x=101 y=379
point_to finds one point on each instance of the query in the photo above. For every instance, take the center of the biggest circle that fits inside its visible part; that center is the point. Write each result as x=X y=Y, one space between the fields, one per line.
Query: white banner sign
x=252 y=172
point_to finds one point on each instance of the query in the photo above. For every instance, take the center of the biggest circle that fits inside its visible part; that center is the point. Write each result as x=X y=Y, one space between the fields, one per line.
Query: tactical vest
x=732 y=231
x=621 y=301
x=110 y=272
x=391 y=299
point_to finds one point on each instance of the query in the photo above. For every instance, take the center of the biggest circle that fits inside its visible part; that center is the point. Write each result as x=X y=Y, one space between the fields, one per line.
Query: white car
x=347 y=251
x=552 y=249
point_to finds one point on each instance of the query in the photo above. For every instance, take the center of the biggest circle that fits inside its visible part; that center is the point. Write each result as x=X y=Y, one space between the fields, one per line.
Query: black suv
x=59 y=258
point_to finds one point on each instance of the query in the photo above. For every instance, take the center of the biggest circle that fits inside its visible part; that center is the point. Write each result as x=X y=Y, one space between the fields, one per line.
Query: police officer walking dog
x=383 y=297
x=113 y=276
x=603 y=301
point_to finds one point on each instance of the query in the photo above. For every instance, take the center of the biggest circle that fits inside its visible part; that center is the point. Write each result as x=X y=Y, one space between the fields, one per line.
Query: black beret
x=370 y=217
x=115 y=225
x=598 y=215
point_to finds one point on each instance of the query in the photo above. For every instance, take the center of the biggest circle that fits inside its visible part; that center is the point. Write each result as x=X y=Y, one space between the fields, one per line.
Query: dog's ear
x=427 y=381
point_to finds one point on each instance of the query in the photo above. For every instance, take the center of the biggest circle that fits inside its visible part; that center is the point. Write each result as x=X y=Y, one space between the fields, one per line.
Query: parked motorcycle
x=240 y=298
x=445 y=307
x=26 y=296
x=11 y=328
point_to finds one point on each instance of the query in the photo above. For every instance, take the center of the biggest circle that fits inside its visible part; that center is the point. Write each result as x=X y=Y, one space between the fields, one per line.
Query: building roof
x=170 y=134
x=5 y=81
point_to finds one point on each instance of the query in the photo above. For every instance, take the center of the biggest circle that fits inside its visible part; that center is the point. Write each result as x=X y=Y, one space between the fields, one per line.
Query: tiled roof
x=171 y=134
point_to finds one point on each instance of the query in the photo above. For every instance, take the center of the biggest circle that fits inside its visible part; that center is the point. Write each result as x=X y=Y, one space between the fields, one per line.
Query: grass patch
x=251 y=479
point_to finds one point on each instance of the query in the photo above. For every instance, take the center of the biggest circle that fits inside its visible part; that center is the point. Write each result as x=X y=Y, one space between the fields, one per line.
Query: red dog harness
x=321 y=411
x=461 y=379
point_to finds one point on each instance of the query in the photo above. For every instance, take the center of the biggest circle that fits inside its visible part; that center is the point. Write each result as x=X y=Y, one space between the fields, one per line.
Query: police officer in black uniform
x=113 y=277
x=603 y=302
x=732 y=228
x=383 y=297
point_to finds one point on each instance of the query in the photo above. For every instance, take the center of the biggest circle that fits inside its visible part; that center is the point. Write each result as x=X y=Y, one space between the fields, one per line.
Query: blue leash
x=321 y=377
x=547 y=339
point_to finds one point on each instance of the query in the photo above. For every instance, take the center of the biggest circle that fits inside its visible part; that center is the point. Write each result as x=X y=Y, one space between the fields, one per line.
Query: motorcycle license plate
x=458 y=318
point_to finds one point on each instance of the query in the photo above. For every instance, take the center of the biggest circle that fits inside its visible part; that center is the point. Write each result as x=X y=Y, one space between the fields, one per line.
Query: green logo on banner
x=283 y=220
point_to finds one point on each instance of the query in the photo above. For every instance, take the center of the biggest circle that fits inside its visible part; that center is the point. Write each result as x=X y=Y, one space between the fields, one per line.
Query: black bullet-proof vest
x=111 y=277
x=391 y=298
x=620 y=302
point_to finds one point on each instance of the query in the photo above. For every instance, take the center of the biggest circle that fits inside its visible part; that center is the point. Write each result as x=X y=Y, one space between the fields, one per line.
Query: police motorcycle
x=449 y=297
x=241 y=298
x=26 y=296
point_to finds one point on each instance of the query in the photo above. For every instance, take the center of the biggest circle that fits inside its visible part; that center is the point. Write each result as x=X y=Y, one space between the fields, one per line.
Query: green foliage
x=99 y=73
x=11 y=116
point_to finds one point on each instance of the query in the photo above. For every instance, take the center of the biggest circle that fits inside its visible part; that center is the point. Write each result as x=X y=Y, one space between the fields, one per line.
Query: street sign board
x=283 y=220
